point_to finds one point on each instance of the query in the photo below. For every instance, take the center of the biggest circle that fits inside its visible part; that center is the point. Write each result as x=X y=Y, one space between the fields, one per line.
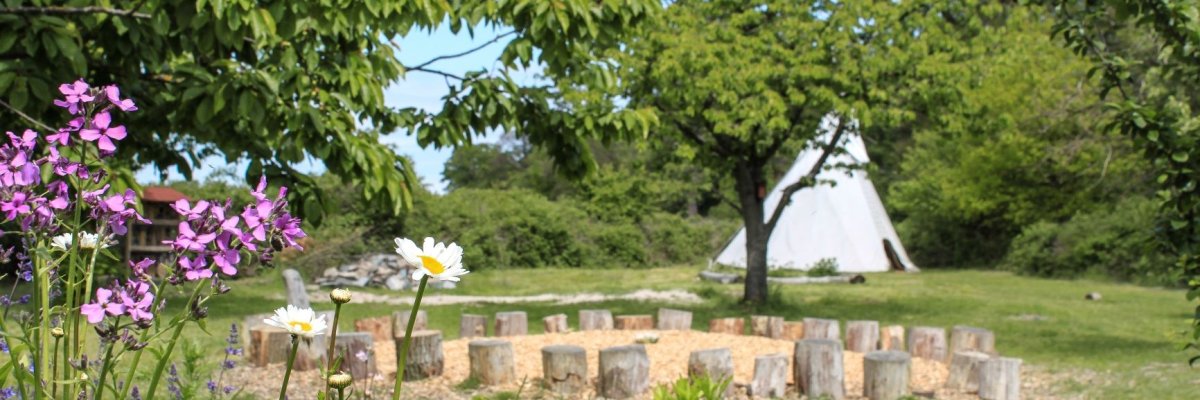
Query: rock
x=719 y=277
x=396 y=283
x=376 y=270
x=1093 y=296
x=857 y=279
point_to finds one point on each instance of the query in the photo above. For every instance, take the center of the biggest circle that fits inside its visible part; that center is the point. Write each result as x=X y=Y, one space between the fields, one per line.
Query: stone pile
x=375 y=270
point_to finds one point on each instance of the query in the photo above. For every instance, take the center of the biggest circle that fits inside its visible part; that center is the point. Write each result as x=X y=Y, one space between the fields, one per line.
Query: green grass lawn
x=1128 y=343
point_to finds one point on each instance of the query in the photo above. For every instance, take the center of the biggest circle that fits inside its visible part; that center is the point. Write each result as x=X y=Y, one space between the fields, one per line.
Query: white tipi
x=845 y=221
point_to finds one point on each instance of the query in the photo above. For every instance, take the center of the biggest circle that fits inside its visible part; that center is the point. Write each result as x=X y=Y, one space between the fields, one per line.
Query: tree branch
x=808 y=179
x=449 y=56
x=435 y=72
x=54 y=10
x=31 y=120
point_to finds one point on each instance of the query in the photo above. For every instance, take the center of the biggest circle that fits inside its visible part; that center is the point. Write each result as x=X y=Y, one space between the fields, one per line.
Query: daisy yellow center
x=433 y=265
x=300 y=325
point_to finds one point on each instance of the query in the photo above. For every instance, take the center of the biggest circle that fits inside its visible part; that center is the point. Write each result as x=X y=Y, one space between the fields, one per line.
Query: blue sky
x=419 y=89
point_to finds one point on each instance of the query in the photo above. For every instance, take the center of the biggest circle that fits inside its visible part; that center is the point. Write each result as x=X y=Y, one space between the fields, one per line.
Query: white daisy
x=87 y=241
x=437 y=260
x=301 y=322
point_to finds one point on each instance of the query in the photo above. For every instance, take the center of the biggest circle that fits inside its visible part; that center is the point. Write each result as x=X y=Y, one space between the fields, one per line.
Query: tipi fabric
x=845 y=221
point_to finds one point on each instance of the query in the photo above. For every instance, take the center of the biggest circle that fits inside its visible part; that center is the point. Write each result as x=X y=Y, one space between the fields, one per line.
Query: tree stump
x=380 y=328
x=717 y=364
x=766 y=326
x=492 y=361
x=400 y=322
x=892 y=338
x=927 y=342
x=294 y=283
x=817 y=328
x=1000 y=379
x=512 y=323
x=268 y=345
x=731 y=326
x=770 y=376
x=885 y=375
x=818 y=369
x=669 y=319
x=969 y=338
x=624 y=371
x=634 y=322
x=964 y=371
x=471 y=325
x=564 y=369
x=357 y=350
x=425 y=358
x=793 y=330
x=862 y=336
x=556 y=323
x=595 y=320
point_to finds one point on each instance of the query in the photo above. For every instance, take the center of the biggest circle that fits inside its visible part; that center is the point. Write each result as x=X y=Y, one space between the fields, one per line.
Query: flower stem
x=42 y=274
x=402 y=360
x=287 y=374
x=341 y=396
x=137 y=358
x=54 y=369
x=337 y=312
x=104 y=369
x=166 y=355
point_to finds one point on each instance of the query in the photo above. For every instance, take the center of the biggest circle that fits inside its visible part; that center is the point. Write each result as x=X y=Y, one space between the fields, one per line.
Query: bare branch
x=808 y=179
x=31 y=120
x=456 y=55
x=54 y=10
x=435 y=72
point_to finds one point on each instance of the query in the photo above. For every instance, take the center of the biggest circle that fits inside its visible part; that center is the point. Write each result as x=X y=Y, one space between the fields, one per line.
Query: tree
x=281 y=82
x=738 y=81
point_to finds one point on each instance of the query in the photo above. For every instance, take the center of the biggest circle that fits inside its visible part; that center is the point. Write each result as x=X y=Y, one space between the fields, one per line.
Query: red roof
x=161 y=194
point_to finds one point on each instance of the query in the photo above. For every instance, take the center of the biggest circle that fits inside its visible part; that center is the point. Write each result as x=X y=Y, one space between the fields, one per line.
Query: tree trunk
x=357 y=350
x=819 y=369
x=624 y=372
x=1000 y=379
x=635 y=322
x=862 y=336
x=491 y=361
x=556 y=323
x=770 y=376
x=669 y=319
x=885 y=375
x=380 y=328
x=892 y=338
x=793 y=330
x=964 y=371
x=595 y=320
x=472 y=325
x=927 y=342
x=512 y=323
x=817 y=328
x=968 y=338
x=747 y=179
x=717 y=364
x=564 y=369
x=766 y=326
x=425 y=357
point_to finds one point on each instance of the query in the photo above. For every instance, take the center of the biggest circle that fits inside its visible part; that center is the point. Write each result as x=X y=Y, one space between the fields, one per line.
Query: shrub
x=823 y=267
x=1114 y=242
x=698 y=388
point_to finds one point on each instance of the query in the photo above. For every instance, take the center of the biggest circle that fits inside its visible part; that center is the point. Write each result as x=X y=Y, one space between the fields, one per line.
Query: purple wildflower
x=75 y=94
x=95 y=312
x=114 y=96
x=195 y=268
x=188 y=239
x=3 y=346
x=139 y=268
x=103 y=133
x=8 y=393
x=137 y=300
x=24 y=299
x=185 y=209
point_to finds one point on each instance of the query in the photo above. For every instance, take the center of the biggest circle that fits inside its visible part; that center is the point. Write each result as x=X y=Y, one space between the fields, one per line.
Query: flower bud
x=57 y=332
x=340 y=380
x=340 y=296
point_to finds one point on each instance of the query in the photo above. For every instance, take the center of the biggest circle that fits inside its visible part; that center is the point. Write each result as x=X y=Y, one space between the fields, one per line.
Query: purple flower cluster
x=133 y=299
x=210 y=236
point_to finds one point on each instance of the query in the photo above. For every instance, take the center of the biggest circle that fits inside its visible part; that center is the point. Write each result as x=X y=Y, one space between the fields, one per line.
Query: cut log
x=817 y=328
x=564 y=369
x=716 y=364
x=511 y=323
x=634 y=322
x=472 y=325
x=425 y=357
x=357 y=351
x=380 y=328
x=492 y=361
x=770 y=376
x=718 y=277
x=595 y=320
x=885 y=375
x=969 y=338
x=818 y=368
x=891 y=337
x=804 y=280
x=556 y=323
x=730 y=326
x=927 y=342
x=400 y=322
x=260 y=350
x=766 y=326
x=669 y=319
x=862 y=336
x=1000 y=379
x=964 y=371
x=793 y=330
x=297 y=295
x=624 y=371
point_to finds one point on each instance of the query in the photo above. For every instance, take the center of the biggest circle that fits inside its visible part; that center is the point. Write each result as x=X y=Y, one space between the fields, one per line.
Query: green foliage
x=282 y=83
x=697 y=388
x=823 y=267
x=1116 y=242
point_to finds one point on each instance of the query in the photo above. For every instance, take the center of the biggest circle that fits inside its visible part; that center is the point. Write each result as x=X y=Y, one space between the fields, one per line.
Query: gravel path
x=668 y=360
x=675 y=296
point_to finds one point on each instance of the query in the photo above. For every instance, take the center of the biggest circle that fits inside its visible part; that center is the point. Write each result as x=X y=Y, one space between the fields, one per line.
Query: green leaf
x=1180 y=156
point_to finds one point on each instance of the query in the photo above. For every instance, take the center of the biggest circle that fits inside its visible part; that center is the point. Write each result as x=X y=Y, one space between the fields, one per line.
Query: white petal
x=428 y=247
x=408 y=250
x=452 y=257
x=418 y=274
